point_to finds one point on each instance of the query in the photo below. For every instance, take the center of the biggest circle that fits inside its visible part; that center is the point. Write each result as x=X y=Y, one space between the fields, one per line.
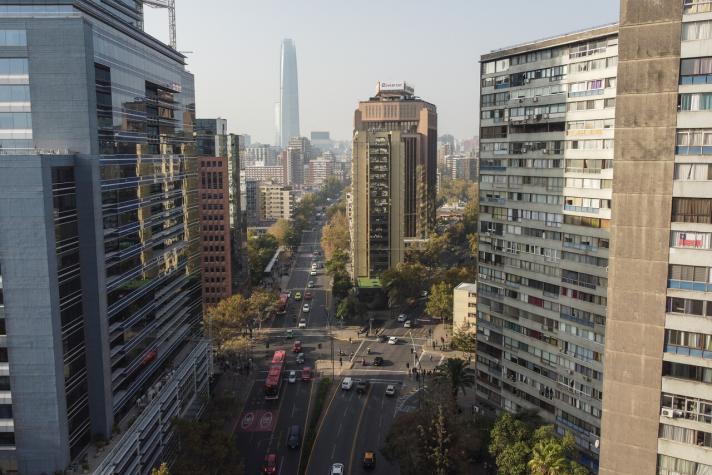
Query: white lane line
x=358 y=350
x=341 y=424
x=333 y=451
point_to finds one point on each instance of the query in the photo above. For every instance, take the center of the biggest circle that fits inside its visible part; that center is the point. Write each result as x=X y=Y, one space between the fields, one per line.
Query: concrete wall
x=646 y=115
x=28 y=257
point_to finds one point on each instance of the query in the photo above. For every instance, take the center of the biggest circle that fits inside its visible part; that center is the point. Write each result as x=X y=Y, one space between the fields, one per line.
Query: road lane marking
x=306 y=421
x=341 y=426
x=358 y=427
x=318 y=430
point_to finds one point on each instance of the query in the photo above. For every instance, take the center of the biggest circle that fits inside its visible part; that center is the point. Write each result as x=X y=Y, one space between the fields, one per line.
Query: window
x=692 y=210
x=695 y=102
x=693 y=142
x=698 y=30
x=13 y=38
x=696 y=70
x=690 y=240
x=696 y=6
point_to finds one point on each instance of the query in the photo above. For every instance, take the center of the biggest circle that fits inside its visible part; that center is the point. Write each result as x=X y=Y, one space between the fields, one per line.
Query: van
x=294 y=437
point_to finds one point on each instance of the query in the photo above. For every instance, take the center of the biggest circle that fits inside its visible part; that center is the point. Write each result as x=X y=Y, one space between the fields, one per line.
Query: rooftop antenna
x=171 y=6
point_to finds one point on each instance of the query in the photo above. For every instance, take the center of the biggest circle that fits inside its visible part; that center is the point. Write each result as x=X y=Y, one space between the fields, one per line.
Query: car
x=401 y=318
x=305 y=308
x=297 y=347
x=302 y=323
x=390 y=390
x=382 y=338
x=294 y=437
x=300 y=358
x=377 y=361
x=407 y=324
x=310 y=284
x=337 y=469
x=298 y=296
x=369 y=460
x=306 y=374
x=393 y=340
x=315 y=253
x=347 y=383
x=292 y=378
x=314 y=265
x=362 y=385
x=312 y=273
x=307 y=295
x=289 y=293
x=270 y=466
x=290 y=334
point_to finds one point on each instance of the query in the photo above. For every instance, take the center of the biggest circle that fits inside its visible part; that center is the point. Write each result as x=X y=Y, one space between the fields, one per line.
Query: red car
x=297 y=348
x=307 y=295
x=306 y=374
x=270 y=466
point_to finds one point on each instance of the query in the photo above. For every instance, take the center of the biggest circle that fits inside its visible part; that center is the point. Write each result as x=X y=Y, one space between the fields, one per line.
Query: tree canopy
x=441 y=301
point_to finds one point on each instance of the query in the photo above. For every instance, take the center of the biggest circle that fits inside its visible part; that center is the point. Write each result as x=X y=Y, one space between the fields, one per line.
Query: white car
x=292 y=378
x=314 y=265
x=390 y=390
x=310 y=284
x=347 y=383
x=393 y=340
x=337 y=469
x=312 y=272
x=407 y=324
x=402 y=317
x=303 y=323
x=305 y=308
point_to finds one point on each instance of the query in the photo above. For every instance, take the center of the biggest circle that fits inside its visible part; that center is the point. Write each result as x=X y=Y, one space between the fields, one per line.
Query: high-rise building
x=393 y=173
x=322 y=141
x=546 y=170
x=657 y=404
x=463 y=167
x=298 y=154
x=275 y=202
x=260 y=155
x=272 y=174
x=99 y=239
x=287 y=110
x=319 y=170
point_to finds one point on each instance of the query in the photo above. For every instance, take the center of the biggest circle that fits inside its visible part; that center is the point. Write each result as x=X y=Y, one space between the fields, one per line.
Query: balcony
x=689 y=285
x=686 y=351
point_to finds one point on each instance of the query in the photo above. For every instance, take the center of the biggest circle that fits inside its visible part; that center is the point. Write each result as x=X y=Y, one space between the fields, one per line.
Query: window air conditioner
x=667 y=413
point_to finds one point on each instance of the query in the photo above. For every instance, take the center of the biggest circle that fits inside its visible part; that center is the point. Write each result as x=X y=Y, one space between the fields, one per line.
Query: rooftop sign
x=392 y=87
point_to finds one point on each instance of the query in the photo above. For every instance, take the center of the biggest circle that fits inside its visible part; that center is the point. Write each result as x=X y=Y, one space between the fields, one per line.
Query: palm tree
x=548 y=458
x=456 y=373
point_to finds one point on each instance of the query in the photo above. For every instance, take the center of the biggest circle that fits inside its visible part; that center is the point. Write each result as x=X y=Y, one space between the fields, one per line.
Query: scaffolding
x=170 y=5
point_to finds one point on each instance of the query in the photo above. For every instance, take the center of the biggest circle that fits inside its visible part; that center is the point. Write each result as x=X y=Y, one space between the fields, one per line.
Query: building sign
x=386 y=86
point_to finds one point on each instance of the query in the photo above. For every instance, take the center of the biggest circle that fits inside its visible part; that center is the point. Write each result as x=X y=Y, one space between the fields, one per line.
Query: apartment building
x=393 y=177
x=657 y=405
x=275 y=202
x=273 y=174
x=99 y=237
x=319 y=170
x=464 y=307
x=547 y=114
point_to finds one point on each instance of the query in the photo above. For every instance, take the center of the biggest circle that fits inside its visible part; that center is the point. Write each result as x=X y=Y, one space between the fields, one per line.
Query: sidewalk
x=237 y=386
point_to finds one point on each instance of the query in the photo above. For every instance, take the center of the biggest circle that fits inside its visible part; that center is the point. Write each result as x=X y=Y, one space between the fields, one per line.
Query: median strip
x=313 y=427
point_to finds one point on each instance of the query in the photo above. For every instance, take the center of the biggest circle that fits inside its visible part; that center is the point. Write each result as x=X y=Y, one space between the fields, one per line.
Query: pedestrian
x=442 y=340
x=349 y=339
x=431 y=357
x=411 y=350
x=407 y=365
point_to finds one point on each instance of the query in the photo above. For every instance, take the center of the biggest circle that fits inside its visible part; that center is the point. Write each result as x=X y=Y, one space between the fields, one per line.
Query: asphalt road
x=352 y=423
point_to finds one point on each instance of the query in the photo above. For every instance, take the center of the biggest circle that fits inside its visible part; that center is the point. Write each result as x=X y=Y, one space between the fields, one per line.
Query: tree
x=351 y=307
x=437 y=442
x=260 y=305
x=162 y=470
x=228 y=319
x=509 y=444
x=335 y=235
x=464 y=339
x=548 y=458
x=235 y=352
x=455 y=373
x=337 y=263
x=260 y=250
x=341 y=285
x=205 y=448
x=280 y=230
x=440 y=301
x=404 y=282
x=473 y=240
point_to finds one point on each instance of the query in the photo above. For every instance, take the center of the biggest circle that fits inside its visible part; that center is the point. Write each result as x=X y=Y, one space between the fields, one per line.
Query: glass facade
x=145 y=112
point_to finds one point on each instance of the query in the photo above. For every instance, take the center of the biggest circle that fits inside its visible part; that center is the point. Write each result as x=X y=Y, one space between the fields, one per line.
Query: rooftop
x=467 y=286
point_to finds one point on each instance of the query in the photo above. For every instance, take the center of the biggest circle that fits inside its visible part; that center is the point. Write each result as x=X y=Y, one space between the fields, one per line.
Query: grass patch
x=322 y=392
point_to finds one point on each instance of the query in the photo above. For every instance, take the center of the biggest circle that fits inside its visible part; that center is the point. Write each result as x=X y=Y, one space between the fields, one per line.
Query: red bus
x=274 y=377
x=282 y=303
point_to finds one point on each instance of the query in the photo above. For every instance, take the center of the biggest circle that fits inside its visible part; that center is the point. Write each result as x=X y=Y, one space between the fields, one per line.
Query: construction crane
x=171 y=6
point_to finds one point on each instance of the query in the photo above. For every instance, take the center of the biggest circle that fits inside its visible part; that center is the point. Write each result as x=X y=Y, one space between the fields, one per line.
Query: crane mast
x=170 y=5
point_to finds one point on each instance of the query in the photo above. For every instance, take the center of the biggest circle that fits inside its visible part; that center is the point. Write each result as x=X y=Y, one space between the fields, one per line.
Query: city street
x=352 y=423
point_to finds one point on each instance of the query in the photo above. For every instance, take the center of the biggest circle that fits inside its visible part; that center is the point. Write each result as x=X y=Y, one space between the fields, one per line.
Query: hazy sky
x=345 y=47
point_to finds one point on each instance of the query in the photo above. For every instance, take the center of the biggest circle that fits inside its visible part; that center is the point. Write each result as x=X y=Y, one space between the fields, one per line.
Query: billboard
x=390 y=86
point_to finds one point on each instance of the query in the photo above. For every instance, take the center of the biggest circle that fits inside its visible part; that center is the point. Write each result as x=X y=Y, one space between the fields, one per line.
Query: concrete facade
x=464 y=307
x=393 y=178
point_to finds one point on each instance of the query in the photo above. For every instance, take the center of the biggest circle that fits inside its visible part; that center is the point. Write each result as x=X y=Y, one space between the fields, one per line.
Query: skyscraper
x=657 y=391
x=287 y=111
x=394 y=177
x=99 y=236
x=546 y=156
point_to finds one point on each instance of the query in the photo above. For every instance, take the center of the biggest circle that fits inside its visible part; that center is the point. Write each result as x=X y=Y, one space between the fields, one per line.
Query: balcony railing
x=686 y=351
x=689 y=285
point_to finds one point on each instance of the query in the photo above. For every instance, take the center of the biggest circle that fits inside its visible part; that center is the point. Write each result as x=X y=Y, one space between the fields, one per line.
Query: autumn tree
x=228 y=319
x=440 y=301
x=162 y=470
x=437 y=442
x=280 y=230
x=335 y=235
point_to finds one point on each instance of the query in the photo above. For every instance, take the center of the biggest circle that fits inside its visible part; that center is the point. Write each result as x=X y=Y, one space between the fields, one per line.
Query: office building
x=260 y=155
x=657 y=404
x=275 y=202
x=463 y=167
x=393 y=173
x=273 y=174
x=546 y=155
x=99 y=237
x=287 y=110
x=293 y=167
x=251 y=200
x=464 y=308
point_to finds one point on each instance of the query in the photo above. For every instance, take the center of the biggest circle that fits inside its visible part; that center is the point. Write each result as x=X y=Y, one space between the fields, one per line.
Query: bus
x=282 y=303
x=274 y=377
